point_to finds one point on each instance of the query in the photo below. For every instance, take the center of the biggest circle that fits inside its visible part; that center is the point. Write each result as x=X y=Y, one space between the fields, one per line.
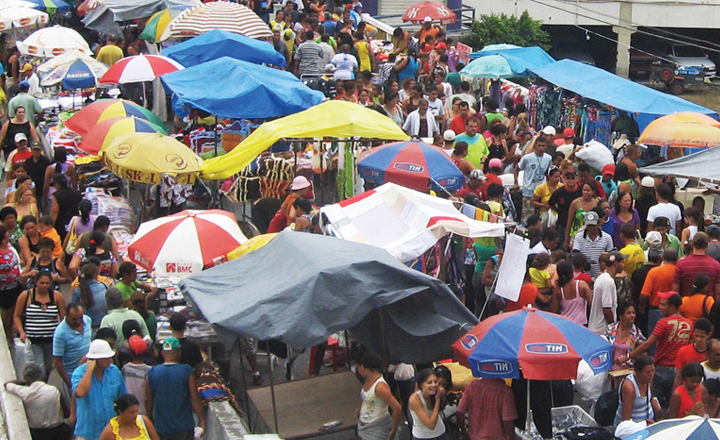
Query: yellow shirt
x=110 y=54
x=635 y=259
x=539 y=278
x=544 y=194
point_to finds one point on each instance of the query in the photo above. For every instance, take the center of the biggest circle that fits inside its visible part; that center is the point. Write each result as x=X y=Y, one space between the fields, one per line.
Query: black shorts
x=9 y=297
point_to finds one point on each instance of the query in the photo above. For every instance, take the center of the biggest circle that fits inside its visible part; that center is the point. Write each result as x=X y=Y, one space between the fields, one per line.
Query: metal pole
x=244 y=381
x=272 y=388
x=527 y=416
x=487 y=297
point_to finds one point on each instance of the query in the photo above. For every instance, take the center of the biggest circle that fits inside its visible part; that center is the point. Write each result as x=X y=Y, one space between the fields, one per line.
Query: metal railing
x=466 y=16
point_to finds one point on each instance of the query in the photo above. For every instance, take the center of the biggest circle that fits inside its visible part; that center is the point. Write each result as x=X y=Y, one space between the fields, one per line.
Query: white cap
x=449 y=135
x=100 y=349
x=653 y=238
x=20 y=137
x=647 y=182
x=549 y=130
x=329 y=68
x=427 y=19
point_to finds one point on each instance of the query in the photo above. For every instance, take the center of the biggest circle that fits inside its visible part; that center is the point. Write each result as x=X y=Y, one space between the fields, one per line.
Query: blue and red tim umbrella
x=411 y=164
x=546 y=346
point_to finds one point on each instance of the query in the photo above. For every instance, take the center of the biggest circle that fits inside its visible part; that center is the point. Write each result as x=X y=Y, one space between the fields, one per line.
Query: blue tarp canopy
x=602 y=86
x=520 y=59
x=238 y=89
x=218 y=43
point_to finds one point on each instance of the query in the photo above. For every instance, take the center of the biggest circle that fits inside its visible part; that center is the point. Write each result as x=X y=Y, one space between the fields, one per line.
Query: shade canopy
x=225 y=15
x=109 y=13
x=218 y=43
x=72 y=70
x=22 y=18
x=331 y=285
x=602 y=86
x=53 y=41
x=248 y=90
x=495 y=66
x=701 y=166
x=682 y=134
x=335 y=119
x=519 y=59
x=404 y=222
x=158 y=23
x=435 y=10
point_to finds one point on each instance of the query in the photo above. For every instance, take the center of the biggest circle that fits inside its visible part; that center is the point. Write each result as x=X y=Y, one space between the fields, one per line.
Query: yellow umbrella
x=684 y=135
x=145 y=157
x=678 y=118
x=157 y=23
x=253 y=244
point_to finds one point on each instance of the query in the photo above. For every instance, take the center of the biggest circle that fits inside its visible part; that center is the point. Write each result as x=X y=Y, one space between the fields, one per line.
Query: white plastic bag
x=404 y=372
x=588 y=384
x=595 y=154
x=22 y=354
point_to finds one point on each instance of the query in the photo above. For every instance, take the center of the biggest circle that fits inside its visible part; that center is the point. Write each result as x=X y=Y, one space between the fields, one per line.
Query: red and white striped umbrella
x=185 y=243
x=223 y=15
x=140 y=68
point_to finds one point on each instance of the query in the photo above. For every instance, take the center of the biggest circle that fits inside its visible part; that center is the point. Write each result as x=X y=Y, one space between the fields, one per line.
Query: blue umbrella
x=687 y=428
x=78 y=74
x=238 y=89
x=51 y=6
x=218 y=43
x=411 y=164
x=493 y=66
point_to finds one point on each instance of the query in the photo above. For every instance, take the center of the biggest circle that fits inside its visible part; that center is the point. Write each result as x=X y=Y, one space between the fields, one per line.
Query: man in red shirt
x=671 y=334
x=490 y=407
x=457 y=124
x=695 y=352
x=695 y=263
x=474 y=185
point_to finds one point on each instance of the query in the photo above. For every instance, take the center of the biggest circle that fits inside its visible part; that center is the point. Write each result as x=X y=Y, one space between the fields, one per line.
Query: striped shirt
x=642 y=405
x=592 y=249
x=41 y=319
x=310 y=55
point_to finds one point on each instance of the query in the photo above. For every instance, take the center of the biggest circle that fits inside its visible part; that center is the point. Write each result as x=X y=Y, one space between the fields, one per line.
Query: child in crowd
x=540 y=276
x=580 y=267
x=47 y=229
x=135 y=372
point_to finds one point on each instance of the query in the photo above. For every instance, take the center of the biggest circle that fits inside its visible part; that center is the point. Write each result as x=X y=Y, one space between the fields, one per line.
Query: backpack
x=607 y=405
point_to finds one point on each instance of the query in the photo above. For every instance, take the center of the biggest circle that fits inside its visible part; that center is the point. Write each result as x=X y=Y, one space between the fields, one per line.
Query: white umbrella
x=18 y=18
x=52 y=41
x=54 y=71
x=17 y=4
x=223 y=15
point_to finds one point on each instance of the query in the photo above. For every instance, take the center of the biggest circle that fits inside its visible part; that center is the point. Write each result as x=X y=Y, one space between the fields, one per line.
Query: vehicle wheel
x=666 y=74
x=677 y=87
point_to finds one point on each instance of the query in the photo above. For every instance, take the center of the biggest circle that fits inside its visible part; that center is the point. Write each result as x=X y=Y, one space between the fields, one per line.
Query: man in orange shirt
x=659 y=279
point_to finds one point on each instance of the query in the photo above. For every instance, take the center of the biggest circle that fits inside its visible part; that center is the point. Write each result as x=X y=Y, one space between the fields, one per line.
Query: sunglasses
x=570 y=176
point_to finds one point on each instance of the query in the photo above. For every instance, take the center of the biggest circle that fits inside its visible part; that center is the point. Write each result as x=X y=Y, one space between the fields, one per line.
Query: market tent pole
x=272 y=390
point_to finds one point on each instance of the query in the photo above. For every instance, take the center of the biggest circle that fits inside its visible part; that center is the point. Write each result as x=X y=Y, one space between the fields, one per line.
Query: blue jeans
x=654 y=315
x=662 y=385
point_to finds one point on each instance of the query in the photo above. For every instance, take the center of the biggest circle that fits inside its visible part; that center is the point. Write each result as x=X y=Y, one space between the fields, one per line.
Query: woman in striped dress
x=37 y=313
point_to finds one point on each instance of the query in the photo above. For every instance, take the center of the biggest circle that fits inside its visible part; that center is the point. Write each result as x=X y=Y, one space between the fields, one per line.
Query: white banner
x=512 y=267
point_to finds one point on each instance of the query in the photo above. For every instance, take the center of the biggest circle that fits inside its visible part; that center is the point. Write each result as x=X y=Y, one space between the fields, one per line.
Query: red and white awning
x=402 y=221
x=139 y=68
x=185 y=243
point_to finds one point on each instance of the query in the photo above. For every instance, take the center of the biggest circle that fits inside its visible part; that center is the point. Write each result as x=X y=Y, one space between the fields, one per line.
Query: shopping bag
x=22 y=354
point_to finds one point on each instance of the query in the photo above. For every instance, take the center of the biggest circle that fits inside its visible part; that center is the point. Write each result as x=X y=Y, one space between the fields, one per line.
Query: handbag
x=71 y=238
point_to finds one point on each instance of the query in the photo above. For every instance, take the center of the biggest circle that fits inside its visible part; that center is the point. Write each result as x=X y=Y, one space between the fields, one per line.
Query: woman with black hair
x=108 y=263
x=59 y=166
x=573 y=296
x=685 y=399
x=79 y=224
x=129 y=424
x=425 y=406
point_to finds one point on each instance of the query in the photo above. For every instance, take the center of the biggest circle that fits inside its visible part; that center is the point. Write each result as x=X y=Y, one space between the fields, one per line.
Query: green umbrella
x=491 y=66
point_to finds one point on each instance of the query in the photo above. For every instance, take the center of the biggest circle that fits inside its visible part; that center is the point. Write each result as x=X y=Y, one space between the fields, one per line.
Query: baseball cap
x=137 y=345
x=609 y=169
x=569 y=132
x=615 y=256
x=591 y=218
x=668 y=294
x=20 y=137
x=441 y=45
x=36 y=146
x=495 y=163
x=299 y=182
x=26 y=67
x=170 y=344
x=427 y=19
x=477 y=174
x=653 y=238
x=329 y=68
x=24 y=84
x=713 y=231
x=449 y=135
x=647 y=182
x=549 y=130
x=100 y=349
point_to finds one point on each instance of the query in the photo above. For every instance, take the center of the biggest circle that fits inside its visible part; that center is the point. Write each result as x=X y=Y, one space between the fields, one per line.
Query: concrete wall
x=223 y=423
x=13 y=411
x=599 y=13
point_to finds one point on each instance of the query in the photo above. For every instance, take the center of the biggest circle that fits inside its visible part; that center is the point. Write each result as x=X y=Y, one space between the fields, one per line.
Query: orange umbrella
x=677 y=118
x=684 y=135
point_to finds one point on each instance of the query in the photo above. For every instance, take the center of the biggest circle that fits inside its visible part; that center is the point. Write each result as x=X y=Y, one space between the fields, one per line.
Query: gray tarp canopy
x=106 y=17
x=300 y=288
x=700 y=166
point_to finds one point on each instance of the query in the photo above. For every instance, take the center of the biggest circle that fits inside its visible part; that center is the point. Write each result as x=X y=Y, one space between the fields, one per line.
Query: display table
x=303 y=406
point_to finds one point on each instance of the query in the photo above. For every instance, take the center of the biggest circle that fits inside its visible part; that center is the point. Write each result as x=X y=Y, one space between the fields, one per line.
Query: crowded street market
x=319 y=225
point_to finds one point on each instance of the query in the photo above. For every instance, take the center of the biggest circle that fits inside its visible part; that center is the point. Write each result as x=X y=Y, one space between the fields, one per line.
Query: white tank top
x=419 y=430
x=372 y=407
